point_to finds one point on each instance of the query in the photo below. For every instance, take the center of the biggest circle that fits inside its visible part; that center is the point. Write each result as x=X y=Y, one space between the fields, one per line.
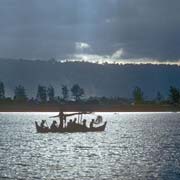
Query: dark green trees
x=138 y=95
x=77 y=92
x=50 y=93
x=20 y=94
x=174 y=95
x=41 y=94
x=65 y=92
x=2 y=91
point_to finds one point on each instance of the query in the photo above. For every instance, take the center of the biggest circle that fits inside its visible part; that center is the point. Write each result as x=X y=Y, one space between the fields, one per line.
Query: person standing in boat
x=61 y=119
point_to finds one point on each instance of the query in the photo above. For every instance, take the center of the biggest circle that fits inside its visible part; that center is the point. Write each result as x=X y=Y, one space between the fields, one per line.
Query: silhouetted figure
x=98 y=120
x=61 y=119
x=74 y=122
x=53 y=125
x=84 y=123
x=70 y=123
x=91 y=123
x=43 y=123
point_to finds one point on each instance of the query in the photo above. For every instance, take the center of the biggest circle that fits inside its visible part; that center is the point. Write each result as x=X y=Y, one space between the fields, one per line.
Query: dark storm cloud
x=44 y=28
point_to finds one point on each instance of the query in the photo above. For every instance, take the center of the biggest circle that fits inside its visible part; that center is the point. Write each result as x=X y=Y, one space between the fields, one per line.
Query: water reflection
x=134 y=146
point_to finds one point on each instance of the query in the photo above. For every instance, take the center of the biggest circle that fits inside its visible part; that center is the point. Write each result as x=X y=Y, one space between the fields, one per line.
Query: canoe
x=76 y=128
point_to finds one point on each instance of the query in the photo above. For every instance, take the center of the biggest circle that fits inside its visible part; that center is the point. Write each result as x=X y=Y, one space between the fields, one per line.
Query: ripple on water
x=134 y=146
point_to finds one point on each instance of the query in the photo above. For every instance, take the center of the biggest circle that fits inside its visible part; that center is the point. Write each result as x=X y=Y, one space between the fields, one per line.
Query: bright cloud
x=43 y=29
x=81 y=46
x=118 y=54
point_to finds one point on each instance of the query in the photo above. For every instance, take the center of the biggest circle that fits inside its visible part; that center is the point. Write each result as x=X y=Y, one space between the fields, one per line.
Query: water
x=134 y=146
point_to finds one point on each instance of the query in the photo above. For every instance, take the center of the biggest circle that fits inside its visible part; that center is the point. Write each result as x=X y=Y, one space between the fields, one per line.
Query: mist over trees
x=41 y=94
x=20 y=94
x=52 y=81
x=174 y=95
x=51 y=93
x=77 y=92
x=47 y=95
x=159 y=97
x=138 y=95
x=109 y=80
x=65 y=92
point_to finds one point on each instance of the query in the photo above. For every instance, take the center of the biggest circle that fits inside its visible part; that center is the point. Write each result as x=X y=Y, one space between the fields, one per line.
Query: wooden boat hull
x=77 y=128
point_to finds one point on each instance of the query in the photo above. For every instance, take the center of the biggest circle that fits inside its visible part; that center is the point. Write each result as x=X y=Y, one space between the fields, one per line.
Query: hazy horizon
x=96 y=79
x=138 y=32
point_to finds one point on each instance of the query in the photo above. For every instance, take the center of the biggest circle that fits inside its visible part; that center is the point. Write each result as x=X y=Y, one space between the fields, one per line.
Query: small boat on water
x=76 y=127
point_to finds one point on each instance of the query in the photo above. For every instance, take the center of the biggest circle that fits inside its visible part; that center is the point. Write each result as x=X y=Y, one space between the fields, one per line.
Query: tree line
x=44 y=94
x=75 y=93
x=173 y=96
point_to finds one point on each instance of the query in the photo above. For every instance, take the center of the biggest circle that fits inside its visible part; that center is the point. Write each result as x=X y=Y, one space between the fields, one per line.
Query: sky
x=92 y=30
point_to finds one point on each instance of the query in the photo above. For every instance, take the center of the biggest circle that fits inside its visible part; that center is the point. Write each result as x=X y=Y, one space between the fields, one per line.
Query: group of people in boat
x=70 y=124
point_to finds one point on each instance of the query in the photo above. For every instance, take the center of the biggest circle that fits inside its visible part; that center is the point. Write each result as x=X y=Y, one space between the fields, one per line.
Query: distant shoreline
x=88 y=107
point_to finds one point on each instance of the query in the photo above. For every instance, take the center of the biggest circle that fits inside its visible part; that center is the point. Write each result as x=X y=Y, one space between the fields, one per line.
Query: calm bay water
x=134 y=146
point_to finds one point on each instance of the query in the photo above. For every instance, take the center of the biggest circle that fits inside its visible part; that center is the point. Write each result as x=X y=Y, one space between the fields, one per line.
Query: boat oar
x=54 y=116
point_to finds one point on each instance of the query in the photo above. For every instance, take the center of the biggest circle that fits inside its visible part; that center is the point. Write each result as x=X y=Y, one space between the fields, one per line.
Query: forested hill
x=96 y=79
